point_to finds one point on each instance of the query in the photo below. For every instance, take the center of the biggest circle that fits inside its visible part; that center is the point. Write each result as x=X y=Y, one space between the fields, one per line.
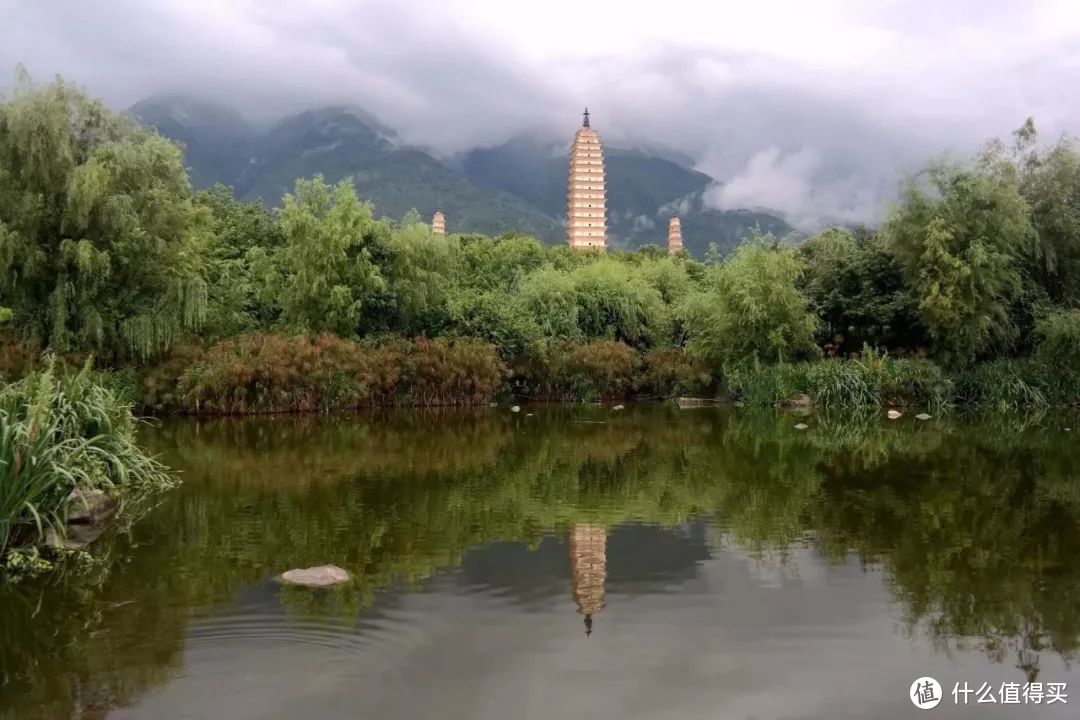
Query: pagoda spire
x=585 y=117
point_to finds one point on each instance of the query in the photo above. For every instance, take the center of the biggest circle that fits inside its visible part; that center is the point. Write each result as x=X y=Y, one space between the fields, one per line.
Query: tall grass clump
x=765 y=385
x=869 y=381
x=1004 y=384
x=60 y=433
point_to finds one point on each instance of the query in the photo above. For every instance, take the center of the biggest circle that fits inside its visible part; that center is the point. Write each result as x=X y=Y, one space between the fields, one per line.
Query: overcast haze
x=810 y=108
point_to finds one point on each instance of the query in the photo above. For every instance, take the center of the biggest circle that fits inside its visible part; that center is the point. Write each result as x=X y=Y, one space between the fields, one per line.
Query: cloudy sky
x=812 y=108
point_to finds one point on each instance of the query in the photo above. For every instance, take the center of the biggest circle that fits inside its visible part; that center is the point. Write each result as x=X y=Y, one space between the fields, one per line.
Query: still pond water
x=571 y=563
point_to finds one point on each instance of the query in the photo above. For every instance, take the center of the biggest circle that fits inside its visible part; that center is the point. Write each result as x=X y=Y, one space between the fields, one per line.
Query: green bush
x=1059 y=339
x=750 y=308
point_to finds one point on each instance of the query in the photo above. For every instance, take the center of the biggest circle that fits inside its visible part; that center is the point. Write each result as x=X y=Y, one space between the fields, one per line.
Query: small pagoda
x=438 y=223
x=674 y=236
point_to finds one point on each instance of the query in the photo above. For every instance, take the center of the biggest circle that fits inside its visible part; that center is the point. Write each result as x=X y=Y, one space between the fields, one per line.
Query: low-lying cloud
x=809 y=108
x=795 y=185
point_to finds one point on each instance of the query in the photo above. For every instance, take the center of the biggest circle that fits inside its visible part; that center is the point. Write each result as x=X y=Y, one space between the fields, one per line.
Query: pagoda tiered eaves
x=586 y=219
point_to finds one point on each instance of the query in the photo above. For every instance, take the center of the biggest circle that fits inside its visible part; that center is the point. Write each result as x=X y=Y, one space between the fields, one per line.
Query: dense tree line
x=105 y=249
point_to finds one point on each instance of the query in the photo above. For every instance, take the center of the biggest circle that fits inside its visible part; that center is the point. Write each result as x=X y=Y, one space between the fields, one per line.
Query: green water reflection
x=973 y=523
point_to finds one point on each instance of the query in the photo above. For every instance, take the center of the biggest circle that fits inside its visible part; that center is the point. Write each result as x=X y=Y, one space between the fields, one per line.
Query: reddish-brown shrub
x=272 y=373
x=673 y=373
x=452 y=372
x=598 y=370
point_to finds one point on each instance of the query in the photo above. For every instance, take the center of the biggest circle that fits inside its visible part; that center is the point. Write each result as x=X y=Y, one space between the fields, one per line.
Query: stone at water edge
x=894 y=414
x=801 y=400
x=619 y=407
x=89 y=507
x=922 y=416
x=801 y=426
x=516 y=408
x=318 y=576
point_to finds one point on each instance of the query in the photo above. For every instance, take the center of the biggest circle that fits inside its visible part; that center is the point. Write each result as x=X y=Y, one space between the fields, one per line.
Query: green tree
x=324 y=272
x=550 y=297
x=960 y=237
x=616 y=303
x=240 y=232
x=1050 y=182
x=101 y=246
x=498 y=317
x=422 y=273
x=750 y=307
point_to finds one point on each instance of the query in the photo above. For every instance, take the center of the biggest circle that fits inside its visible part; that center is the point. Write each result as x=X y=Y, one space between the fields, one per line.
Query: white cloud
x=796 y=185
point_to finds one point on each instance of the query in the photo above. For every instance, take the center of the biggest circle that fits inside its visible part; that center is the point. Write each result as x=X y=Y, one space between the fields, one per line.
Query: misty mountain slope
x=338 y=143
x=218 y=142
x=517 y=186
x=531 y=169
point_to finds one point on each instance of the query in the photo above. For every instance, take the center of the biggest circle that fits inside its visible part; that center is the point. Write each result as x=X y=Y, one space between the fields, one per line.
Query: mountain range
x=519 y=185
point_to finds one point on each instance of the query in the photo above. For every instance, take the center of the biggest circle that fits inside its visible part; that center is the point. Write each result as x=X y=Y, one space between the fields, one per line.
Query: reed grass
x=872 y=380
x=59 y=433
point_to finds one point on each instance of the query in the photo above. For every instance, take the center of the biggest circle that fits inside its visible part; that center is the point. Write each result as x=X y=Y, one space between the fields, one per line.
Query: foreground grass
x=59 y=433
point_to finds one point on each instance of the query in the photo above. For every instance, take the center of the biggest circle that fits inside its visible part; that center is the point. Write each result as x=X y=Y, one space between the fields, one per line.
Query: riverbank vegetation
x=970 y=291
x=63 y=436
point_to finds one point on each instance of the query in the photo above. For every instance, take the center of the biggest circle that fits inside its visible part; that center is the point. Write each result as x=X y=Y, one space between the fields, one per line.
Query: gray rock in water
x=922 y=416
x=89 y=507
x=800 y=400
x=319 y=576
x=516 y=408
x=894 y=414
x=802 y=426
x=689 y=402
x=619 y=407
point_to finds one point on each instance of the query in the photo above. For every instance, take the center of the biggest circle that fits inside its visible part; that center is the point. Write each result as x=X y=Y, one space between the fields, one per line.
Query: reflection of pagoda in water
x=588 y=569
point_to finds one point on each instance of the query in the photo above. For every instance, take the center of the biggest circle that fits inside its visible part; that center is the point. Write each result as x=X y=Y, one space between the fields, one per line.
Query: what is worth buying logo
x=925 y=693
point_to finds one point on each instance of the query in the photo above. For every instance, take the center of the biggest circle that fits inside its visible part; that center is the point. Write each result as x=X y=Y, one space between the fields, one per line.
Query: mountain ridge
x=515 y=186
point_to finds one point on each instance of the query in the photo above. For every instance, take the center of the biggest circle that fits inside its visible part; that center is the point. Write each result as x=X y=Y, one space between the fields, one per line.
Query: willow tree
x=751 y=307
x=324 y=273
x=100 y=243
x=1050 y=182
x=961 y=237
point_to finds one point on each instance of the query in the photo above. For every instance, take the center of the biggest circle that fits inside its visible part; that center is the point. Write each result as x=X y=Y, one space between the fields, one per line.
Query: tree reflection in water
x=975 y=523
